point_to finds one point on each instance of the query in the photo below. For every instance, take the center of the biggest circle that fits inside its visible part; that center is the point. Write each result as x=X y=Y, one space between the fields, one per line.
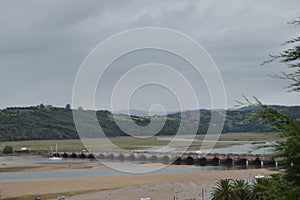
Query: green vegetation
x=8 y=149
x=129 y=143
x=286 y=185
x=44 y=145
x=259 y=189
x=16 y=169
x=262 y=136
x=45 y=122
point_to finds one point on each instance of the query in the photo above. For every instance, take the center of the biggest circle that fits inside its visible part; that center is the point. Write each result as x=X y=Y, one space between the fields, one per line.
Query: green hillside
x=47 y=122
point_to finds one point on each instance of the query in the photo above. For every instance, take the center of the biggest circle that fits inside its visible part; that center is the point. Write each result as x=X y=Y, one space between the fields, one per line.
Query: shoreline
x=153 y=185
x=9 y=168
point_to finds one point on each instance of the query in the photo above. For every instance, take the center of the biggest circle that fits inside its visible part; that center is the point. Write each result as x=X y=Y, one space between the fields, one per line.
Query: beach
x=184 y=185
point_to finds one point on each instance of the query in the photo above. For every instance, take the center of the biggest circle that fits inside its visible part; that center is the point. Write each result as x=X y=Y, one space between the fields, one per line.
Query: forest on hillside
x=48 y=122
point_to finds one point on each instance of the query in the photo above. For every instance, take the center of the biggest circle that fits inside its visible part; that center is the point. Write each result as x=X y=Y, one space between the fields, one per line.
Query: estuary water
x=104 y=171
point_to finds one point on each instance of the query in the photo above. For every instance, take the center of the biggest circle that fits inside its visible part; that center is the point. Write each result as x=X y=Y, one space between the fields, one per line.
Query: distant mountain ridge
x=140 y=113
x=254 y=107
x=47 y=122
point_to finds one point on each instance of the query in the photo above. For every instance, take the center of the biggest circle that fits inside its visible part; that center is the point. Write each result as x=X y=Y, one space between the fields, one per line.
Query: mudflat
x=129 y=186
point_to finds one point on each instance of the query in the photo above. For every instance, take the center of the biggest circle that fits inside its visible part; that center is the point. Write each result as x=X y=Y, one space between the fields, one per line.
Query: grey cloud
x=44 y=42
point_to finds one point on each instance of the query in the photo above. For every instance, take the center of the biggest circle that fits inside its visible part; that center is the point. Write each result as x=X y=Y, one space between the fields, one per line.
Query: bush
x=8 y=149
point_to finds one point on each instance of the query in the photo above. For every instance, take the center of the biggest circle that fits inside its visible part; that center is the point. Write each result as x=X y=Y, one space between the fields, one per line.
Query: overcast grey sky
x=43 y=43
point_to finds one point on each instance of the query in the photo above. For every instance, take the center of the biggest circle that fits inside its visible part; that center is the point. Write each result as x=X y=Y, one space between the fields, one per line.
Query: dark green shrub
x=8 y=149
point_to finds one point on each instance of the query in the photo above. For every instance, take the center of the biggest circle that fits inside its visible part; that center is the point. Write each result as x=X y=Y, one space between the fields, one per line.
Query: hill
x=47 y=122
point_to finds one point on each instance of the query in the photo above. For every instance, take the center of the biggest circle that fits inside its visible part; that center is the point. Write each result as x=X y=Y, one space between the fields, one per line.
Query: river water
x=96 y=171
x=130 y=166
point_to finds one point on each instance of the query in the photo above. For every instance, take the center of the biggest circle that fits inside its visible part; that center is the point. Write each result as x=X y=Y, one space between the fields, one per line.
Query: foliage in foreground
x=259 y=189
x=285 y=186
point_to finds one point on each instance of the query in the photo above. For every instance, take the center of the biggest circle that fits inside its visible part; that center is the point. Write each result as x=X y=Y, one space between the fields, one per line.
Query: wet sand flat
x=156 y=186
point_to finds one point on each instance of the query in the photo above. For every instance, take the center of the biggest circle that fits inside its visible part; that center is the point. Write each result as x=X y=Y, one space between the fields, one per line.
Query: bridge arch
x=91 y=156
x=82 y=155
x=73 y=155
x=177 y=161
x=257 y=162
x=121 y=157
x=101 y=156
x=215 y=161
x=242 y=161
x=65 y=155
x=229 y=161
x=202 y=161
x=142 y=158
x=154 y=158
x=165 y=159
x=56 y=154
x=189 y=160
x=111 y=156
x=131 y=157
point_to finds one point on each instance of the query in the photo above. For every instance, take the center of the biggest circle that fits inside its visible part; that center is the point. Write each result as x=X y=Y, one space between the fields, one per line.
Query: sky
x=43 y=44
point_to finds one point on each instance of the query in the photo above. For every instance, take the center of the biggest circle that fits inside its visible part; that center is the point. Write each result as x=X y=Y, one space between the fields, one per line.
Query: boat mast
x=51 y=151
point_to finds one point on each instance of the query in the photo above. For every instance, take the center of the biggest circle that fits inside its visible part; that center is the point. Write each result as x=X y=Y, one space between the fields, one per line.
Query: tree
x=8 y=149
x=290 y=57
x=229 y=189
x=223 y=190
x=41 y=106
x=287 y=184
x=68 y=107
x=290 y=128
x=242 y=190
x=258 y=189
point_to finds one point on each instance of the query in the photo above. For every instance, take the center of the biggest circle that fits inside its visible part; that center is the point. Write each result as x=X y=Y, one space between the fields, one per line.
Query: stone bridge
x=185 y=158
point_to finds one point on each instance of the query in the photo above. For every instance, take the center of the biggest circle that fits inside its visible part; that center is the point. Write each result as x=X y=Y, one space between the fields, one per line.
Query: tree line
x=45 y=122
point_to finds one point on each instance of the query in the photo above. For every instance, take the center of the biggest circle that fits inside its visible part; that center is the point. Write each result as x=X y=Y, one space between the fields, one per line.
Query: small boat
x=259 y=176
x=55 y=157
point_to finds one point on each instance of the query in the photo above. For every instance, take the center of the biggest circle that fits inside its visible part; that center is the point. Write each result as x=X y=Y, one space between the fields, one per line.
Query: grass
x=44 y=145
x=127 y=143
x=132 y=143
x=246 y=136
x=16 y=169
